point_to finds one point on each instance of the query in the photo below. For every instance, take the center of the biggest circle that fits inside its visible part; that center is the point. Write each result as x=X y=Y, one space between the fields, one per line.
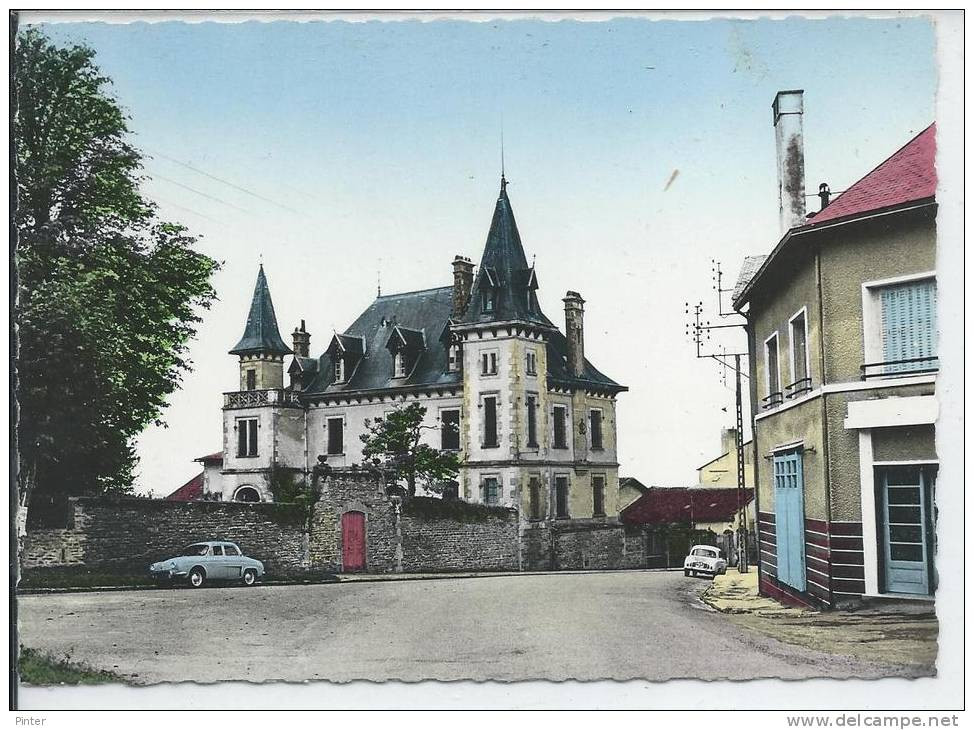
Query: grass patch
x=37 y=669
x=75 y=577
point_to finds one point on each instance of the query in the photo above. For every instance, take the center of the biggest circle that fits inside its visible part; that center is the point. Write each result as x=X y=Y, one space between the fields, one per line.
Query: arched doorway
x=353 y=541
x=246 y=494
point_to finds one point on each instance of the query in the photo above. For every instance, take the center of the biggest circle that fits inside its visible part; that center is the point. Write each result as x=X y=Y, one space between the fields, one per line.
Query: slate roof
x=261 y=333
x=908 y=175
x=427 y=311
x=190 y=491
x=665 y=505
x=504 y=268
x=749 y=268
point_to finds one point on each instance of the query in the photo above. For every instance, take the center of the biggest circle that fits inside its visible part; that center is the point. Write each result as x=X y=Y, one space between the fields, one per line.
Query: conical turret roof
x=504 y=273
x=261 y=333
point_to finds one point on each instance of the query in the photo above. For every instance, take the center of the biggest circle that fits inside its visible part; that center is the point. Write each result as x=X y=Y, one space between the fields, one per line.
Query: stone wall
x=127 y=534
x=442 y=536
x=588 y=546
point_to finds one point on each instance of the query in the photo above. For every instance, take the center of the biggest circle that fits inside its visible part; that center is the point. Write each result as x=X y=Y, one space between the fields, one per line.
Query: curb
x=358 y=578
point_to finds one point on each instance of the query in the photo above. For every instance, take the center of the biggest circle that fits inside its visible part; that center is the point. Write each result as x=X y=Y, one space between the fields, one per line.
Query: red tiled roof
x=662 y=505
x=190 y=491
x=210 y=458
x=910 y=174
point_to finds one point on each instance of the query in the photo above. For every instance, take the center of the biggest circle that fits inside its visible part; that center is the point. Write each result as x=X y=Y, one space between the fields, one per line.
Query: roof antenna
x=378 y=279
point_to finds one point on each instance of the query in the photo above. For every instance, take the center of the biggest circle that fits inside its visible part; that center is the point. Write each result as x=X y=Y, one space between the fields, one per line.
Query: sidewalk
x=889 y=633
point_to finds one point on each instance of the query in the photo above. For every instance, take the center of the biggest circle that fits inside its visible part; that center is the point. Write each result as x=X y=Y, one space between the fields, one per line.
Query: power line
x=189 y=210
x=225 y=182
x=198 y=192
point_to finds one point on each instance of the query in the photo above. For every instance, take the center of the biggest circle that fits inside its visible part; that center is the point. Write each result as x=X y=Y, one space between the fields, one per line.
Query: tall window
x=595 y=427
x=561 y=497
x=492 y=491
x=799 y=355
x=532 y=406
x=490 y=300
x=488 y=363
x=490 y=421
x=450 y=430
x=534 y=498
x=598 y=495
x=453 y=359
x=251 y=380
x=246 y=437
x=340 y=370
x=336 y=435
x=399 y=366
x=531 y=364
x=560 y=436
x=909 y=326
x=773 y=374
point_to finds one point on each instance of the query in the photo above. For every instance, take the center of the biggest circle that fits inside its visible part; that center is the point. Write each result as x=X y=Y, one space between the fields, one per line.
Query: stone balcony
x=254 y=398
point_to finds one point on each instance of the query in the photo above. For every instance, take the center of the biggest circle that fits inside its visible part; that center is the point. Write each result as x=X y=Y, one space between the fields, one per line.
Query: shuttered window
x=561 y=497
x=532 y=405
x=559 y=413
x=598 y=495
x=909 y=325
x=336 y=435
x=595 y=426
x=490 y=421
x=534 y=498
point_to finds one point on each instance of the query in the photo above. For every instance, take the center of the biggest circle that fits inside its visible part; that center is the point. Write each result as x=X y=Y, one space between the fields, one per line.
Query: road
x=621 y=625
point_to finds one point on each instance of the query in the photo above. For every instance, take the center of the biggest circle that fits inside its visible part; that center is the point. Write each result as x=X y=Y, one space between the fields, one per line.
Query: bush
x=439 y=509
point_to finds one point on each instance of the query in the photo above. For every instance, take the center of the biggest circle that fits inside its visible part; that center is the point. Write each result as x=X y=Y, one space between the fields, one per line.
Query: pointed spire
x=505 y=286
x=261 y=333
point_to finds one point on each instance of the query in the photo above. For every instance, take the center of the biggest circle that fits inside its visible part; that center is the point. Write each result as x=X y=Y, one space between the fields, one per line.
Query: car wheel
x=686 y=573
x=197 y=577
x=249 y=577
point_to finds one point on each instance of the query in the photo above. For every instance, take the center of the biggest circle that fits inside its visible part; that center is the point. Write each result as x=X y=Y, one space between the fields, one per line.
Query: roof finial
x=378 y=279
x=503 y=179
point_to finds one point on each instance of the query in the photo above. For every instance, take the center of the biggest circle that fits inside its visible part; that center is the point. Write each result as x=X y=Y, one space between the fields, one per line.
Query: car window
x=198 y=549
x=231 y=549
x=218 y=549
x=703 y=553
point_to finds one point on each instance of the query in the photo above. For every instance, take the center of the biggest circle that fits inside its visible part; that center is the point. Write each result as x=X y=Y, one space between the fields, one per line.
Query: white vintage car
x=704 y=559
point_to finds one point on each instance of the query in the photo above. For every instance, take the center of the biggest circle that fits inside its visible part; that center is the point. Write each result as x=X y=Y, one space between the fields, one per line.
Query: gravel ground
x=619 y=625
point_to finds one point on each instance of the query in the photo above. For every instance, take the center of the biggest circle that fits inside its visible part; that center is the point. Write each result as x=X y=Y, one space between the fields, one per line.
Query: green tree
x=392 y=444
x=108 y=294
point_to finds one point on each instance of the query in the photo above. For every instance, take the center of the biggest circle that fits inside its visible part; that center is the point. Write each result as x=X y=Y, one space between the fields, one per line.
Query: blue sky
x=344 y=149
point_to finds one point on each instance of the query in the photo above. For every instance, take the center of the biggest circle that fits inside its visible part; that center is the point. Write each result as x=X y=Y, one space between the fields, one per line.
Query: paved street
x=621 y=625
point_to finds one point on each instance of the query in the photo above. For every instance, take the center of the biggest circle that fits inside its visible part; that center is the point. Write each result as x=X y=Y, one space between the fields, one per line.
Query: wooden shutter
x=909 y=324
x=490 y=422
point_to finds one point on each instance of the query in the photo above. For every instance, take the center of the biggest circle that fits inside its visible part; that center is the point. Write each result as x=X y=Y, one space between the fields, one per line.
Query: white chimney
x=788 y=110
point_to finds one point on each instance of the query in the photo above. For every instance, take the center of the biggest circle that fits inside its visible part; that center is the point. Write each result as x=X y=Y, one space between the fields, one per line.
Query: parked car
x=704 y=559
x=202 y=562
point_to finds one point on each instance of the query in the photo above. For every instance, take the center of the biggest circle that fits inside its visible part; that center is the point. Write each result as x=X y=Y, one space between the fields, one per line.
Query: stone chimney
x=302 y=341
x=462 y=284
x=574 y=332
x=788 y=111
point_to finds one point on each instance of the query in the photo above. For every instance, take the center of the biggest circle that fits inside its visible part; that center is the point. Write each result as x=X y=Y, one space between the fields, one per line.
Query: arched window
x=246 y=494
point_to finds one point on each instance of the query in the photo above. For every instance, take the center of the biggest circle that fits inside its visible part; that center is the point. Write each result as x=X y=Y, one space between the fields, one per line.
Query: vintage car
x=202 y=562
x=704 y=559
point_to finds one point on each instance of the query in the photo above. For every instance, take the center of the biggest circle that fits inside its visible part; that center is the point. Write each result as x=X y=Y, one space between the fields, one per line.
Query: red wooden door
x=353 y=541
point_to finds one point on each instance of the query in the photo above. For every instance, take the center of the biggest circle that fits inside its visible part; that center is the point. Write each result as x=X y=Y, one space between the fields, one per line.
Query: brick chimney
x=302 y=341
x=462 y=284
x=574 y=332
x=788 y=109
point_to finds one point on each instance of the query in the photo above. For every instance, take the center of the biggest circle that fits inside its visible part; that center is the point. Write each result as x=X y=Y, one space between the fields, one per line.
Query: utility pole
x=699 y=331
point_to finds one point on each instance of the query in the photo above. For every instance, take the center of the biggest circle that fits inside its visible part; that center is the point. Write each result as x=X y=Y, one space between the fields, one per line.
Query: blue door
x=906 y=528
x=789 y=508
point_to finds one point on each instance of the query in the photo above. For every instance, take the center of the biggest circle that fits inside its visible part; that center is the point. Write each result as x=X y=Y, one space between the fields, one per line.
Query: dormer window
x=406 y=345
x=453 y=359
x=345 y=351
x=489 y=301
x=399 y=366
x=340 y=370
